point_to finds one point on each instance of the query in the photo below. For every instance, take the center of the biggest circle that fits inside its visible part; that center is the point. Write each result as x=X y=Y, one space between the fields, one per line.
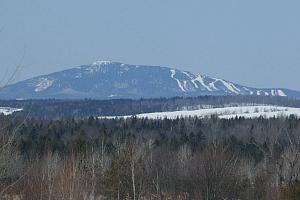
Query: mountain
x=106 y=80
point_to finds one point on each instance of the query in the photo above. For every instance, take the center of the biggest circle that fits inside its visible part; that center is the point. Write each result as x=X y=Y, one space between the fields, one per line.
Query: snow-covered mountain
x=106 y=80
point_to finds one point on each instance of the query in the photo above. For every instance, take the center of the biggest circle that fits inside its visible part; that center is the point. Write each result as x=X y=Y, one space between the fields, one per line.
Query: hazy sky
x=256 y=42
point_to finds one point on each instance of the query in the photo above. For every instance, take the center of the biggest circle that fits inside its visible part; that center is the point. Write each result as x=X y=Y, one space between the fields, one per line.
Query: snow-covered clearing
x=224 y=113
x=9 y=111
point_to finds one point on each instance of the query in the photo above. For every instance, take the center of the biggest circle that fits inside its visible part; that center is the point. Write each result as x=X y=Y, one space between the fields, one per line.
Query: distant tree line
x=54 y=109
x=184 y=158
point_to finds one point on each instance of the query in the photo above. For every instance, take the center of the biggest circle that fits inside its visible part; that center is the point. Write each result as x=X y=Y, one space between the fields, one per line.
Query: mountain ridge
x=107 y=79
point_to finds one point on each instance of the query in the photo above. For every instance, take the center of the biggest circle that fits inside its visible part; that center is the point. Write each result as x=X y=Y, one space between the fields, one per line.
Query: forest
x=184 y=158
x=55 y=108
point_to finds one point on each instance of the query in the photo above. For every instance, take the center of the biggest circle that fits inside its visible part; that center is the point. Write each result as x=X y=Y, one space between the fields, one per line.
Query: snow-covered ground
x=225 y=113
x=9 y=111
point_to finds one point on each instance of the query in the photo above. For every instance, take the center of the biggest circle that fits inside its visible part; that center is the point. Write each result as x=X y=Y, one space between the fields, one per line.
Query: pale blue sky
x=256 y=43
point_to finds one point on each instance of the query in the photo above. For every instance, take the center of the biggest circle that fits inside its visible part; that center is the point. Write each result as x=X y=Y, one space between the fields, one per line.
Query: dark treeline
x=50 y=109
x=185 y=158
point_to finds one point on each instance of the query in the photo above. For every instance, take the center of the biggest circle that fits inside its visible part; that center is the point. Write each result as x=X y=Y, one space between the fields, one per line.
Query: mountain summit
x=106 y=80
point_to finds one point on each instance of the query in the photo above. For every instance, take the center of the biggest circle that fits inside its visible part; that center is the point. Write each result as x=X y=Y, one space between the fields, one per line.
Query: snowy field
x=9 y=111
x=225 y=113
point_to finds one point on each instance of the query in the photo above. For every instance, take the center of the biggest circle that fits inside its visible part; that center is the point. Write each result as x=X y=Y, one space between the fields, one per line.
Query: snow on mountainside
x=107 y=79
x=43 y=84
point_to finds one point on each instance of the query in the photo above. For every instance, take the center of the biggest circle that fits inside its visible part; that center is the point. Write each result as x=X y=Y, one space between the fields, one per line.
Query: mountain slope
x=105 y=80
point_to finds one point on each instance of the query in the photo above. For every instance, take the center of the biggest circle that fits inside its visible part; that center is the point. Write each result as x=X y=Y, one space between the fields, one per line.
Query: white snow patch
x=281 y=93
x=102 y=62
x=250 y=91
x=192 y=80
x=43 y=84
x=230 y=86
x=98 y=66
x=273 y=92
x=224 y=113
x=212 y=85
x=278 y=93
x=173 y=72
x=185 y=84
x=78 y=75
x=200 y=79
x=9 y=111
x=258 y=92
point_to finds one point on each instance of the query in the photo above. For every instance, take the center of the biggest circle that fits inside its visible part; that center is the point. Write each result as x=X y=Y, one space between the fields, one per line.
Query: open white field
x=8 y=110
x=225 y=113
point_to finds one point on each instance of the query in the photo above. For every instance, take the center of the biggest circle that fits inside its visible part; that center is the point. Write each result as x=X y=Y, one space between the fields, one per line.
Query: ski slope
x=224 y=113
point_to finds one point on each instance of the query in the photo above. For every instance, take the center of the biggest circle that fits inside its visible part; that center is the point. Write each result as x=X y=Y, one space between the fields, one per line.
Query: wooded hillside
x=150 y=159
